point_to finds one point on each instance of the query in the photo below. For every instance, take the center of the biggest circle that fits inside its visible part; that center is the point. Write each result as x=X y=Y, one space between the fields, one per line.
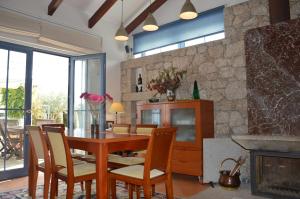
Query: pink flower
x=94 y=98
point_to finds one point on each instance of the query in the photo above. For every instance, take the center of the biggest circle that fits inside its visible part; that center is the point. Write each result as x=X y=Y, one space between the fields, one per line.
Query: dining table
x=101 y=145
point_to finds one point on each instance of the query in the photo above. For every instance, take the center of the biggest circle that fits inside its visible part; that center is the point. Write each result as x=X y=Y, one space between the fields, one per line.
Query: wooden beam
x=139 y=19
x=279 y=11
x=100 y=12
x=53 y=6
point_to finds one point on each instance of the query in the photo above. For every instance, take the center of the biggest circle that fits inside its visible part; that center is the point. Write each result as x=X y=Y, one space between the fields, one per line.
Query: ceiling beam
x=53 y=6
x=100 y=12
x=139 y=19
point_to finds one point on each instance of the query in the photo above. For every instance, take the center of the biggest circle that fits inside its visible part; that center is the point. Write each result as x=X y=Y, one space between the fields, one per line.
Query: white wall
x=69 y=17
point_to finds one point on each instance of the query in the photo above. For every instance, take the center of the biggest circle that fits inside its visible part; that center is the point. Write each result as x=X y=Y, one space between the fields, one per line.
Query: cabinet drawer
x=187 y=162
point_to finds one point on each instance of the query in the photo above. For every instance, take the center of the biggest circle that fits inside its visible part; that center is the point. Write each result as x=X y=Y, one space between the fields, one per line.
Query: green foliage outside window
x=15 y=100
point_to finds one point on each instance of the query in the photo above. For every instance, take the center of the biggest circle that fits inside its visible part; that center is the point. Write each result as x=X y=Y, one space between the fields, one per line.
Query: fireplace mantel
x=268 y=143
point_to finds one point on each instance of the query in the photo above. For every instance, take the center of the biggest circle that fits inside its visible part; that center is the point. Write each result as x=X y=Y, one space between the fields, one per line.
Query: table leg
x=101 y=171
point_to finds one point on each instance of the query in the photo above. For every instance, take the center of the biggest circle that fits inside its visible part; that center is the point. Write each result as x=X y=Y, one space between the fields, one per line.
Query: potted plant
x=168 y=81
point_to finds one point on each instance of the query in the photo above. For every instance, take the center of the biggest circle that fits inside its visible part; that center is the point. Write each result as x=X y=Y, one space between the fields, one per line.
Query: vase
x=171 y=95
x=94 y=128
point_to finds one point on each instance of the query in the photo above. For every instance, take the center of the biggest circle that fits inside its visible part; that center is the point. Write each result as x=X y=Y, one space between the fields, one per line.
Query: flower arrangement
x=95 y=100
x=168 y=79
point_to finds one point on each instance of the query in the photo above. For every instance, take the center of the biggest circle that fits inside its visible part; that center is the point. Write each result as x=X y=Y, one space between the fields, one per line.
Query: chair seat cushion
x=136 y=171
x=125 y=160
x=80 y=169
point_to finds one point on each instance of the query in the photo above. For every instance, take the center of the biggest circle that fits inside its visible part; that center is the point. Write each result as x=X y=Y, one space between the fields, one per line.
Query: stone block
x=239 y=61
x=236 y=119
x=216 y=51
x=240 y=130
x=240 y=9
x=222 y=130
x=235 y=49
x=199 y=59
x=222 y=117
x=191 y=50
x=226 y=72
x=207 y=68
x=236 y=90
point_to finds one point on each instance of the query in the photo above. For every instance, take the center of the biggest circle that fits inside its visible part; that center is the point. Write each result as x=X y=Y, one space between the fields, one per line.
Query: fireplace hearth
x=275 y=174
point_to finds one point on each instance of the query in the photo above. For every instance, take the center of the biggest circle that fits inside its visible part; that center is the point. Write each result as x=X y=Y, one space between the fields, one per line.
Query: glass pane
x=12 y=101
x=152 y=52
x=49 y=89
x=194 y=42
x=278 y=175
x=87 y=73
x=12 y=135
x=137 y=55
x=184 y=120
x=3 y=78
x=215 y=37
x=170 y=47
x=151 y=116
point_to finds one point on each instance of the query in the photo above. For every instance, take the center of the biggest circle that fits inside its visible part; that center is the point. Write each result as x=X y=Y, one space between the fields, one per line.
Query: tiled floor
x=184 y=187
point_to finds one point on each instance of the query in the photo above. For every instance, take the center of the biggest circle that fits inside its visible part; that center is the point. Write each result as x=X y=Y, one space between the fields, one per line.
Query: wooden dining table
x=101 y=145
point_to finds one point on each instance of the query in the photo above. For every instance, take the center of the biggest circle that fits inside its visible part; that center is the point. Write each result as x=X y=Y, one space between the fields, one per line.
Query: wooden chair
x=121 y=128
x=62 y=164
x=157 y=167
x=59 y=125
x=76 y=157
x=144 y=129
x=12 y=142
x=38 y=152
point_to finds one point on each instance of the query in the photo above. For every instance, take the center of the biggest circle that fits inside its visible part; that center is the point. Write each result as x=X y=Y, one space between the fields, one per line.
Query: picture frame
x=109 y=123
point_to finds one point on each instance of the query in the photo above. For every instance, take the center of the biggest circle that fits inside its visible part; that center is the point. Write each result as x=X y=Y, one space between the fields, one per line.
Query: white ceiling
x=166 y=13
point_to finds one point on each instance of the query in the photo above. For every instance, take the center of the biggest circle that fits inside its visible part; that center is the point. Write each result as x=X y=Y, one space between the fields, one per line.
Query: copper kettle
x=227 y=180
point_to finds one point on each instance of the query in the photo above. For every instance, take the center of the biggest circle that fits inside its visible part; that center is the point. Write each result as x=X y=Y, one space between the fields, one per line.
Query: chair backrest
x=121 y=128
x=53 y=125
x=159 y=151
x=60 y=151
x=38 y=144
x=145 y=129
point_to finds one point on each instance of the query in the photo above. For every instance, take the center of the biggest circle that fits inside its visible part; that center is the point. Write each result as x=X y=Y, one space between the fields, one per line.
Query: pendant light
x=121 y=34
x=188 y=11
x=150 y=23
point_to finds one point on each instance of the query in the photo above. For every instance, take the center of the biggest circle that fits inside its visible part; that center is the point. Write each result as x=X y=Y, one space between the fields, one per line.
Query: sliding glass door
x=15 y=108
x=37 y=88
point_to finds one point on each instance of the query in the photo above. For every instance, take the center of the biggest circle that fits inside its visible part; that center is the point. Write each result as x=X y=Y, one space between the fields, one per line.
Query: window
x=209 y=26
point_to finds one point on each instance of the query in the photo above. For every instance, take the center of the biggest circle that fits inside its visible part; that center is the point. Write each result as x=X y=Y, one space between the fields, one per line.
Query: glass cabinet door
x=184 y=119
x=151 y=116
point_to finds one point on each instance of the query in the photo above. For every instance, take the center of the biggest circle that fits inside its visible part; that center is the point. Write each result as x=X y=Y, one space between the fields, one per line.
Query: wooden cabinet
x=194 y=120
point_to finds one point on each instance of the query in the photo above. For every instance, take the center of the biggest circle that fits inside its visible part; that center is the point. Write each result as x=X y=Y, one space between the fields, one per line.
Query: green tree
x=15 y=100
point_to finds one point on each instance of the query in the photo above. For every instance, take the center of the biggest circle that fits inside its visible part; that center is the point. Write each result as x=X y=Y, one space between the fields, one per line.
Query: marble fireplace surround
x=268 y=142
x=273 y=88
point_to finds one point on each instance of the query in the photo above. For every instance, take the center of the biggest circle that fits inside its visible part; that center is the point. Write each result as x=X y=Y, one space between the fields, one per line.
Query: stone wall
x=218 y=67
x=295 y=9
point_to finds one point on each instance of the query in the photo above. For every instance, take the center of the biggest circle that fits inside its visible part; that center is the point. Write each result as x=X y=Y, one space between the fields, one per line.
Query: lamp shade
x=116 y=107
x=150 y=23
x=188 y=11
x=121 y=34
